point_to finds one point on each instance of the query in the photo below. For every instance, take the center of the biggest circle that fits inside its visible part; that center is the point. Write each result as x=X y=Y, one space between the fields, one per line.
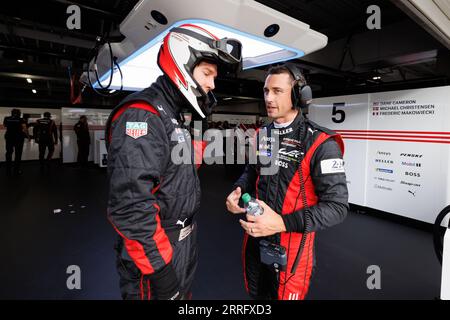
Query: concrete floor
x=39 y=245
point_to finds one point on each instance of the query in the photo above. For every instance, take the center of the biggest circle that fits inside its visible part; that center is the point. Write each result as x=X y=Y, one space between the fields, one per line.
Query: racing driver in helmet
x=152 y=199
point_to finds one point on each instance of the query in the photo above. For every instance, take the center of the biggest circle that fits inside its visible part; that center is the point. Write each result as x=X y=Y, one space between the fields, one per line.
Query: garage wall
x=96 y=119
x=237 y=108
x=397 y=148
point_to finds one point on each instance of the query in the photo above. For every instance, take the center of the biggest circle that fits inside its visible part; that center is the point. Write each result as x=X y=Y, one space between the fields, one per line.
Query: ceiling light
x=255 y=53
x=29 y=80
x=34 y=91
x=247 y=21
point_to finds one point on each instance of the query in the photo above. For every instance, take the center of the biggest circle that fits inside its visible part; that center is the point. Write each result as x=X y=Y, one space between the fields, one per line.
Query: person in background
x=46 y=135
x=83 y=140
x=16 y=131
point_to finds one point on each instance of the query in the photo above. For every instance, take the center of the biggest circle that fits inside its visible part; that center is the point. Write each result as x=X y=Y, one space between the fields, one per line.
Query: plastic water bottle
x=251 y=205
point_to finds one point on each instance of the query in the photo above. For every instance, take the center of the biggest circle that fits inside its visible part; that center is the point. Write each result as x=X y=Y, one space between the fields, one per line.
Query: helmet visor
x=230 y=50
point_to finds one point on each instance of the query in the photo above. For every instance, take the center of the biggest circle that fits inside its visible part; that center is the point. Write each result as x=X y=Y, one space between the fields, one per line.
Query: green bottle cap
x=246 y=197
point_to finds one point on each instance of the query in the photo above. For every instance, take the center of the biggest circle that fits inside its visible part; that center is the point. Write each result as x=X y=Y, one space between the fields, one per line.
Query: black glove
x=164 y=284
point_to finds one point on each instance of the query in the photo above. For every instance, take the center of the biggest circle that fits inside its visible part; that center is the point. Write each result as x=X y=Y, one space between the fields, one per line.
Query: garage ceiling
x=402 y=53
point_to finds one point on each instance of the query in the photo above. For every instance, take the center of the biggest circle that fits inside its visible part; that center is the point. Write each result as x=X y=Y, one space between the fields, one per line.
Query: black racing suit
x=319 y=151
x=83 y=141
x=14 y=138
x=153 y=198
x=46 y=136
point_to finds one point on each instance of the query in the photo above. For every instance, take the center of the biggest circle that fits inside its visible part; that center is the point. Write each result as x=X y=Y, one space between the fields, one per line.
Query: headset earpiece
x=301 y=93
x=299 y=83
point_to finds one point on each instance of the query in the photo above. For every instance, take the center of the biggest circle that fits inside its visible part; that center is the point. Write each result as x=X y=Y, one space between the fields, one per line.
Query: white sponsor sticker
x=332 y=166
x=136 y=129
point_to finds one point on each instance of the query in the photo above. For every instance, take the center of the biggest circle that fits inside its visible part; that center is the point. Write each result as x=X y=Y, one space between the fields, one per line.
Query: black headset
x=301 y=94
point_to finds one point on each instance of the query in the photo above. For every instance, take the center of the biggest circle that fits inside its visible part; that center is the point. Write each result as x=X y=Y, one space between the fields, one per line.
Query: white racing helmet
x=183 y=48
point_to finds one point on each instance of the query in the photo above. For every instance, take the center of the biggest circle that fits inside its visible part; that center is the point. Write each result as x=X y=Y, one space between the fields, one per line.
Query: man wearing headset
x=152 y=198
x=307 y=192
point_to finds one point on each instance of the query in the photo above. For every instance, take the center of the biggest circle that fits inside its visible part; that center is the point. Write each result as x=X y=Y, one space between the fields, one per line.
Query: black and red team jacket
x=148 y=192
x=317 y=152
x=324 y=176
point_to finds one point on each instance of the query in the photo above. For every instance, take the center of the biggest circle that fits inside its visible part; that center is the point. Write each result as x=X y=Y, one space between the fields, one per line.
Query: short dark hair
x=280 y=69
x=47 y=114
